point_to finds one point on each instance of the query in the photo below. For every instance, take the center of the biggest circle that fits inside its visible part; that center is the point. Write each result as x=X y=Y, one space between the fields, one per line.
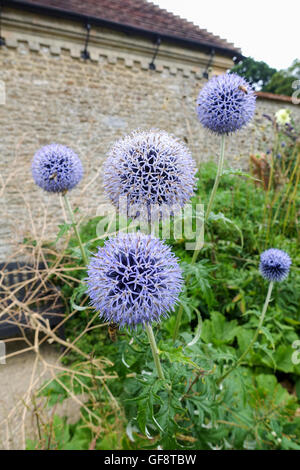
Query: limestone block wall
x=53 y=95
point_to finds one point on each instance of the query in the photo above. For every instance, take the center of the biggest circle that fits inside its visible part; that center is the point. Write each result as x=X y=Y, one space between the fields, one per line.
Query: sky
x=266 y=30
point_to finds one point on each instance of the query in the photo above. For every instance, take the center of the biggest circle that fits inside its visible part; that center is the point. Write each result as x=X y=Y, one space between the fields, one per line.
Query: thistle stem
x=179 y=317
x=261 y=320
x=218 y=177
x=75 y=228
x=199 y=241
x=155 y=352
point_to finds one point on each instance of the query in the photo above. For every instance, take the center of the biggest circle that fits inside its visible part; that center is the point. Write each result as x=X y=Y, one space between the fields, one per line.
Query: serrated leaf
x=268 y=335
x=218 y=330
x=63 y=229
x=220 y=217
x=186 y=307
x=198 y=330
x=264 y=348
x=177 y=355
x=240 y=173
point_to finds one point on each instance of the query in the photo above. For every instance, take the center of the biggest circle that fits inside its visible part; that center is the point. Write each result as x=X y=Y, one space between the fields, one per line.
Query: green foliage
x=265 y=78
x=257 y=73
x=280 y=84
x=252 y=409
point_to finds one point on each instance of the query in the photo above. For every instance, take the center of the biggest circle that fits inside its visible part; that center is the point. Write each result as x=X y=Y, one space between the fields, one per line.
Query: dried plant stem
x=75 y=228
x=292 y=198
x=261 y=320
x=199 y=241
x=155 y=351
x=290 y=185
x=14 y=424
x=269 y=189
x=150 y=334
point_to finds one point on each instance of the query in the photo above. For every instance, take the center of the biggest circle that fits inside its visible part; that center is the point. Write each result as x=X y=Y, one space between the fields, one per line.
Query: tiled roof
x=138 y=14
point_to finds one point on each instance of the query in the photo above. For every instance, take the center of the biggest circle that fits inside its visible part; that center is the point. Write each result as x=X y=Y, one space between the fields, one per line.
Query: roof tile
x=140 y=14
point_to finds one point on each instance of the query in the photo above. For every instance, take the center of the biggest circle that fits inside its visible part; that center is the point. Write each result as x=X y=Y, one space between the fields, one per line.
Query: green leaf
x=264 y=348
x=177 y=355
x=288 y=444
x=63 y=229
x=268 y=335
x=186 y=307
x=198 y=330
x=218 y=330
x=108 y=442
x=77 y=295
x=244 y=336
x=61 y=430
x=239 y=173
x=221 y=218
x=55 y=392
x=283 y=358
x=291 y=321
x=268 y=386
x=199 y=278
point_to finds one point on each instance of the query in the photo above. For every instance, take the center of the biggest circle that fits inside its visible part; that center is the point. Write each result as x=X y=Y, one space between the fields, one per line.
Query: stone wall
x=52 y=95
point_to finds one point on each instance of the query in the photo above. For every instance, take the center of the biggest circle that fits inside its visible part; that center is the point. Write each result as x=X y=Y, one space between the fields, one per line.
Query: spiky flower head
x=152 y=170
x=56 y=168
x=134 y=279
x=283 y=116
x=226 y=103
x=274 y=264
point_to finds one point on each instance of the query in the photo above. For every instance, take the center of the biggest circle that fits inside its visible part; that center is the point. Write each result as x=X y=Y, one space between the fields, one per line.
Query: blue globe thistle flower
x=274 y=264
x=153 y=170
x=134 y=279
x=56 y=168
x=226 y=103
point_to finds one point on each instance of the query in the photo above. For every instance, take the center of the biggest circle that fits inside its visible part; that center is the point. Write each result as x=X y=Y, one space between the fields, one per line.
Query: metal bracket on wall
x=2 y=40
x=85 y=53
x=206 y=71
x=152 y=65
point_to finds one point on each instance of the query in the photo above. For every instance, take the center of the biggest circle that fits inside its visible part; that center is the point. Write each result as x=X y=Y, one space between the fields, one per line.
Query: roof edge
x=58 y=12
x=274 y=97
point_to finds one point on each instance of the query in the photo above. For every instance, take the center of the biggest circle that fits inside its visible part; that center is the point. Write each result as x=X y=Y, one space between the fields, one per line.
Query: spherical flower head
x=56 y=168
x=283 y=116
x=226 y=103
x=134 y=279
x=152 y=170
x=274 y=265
